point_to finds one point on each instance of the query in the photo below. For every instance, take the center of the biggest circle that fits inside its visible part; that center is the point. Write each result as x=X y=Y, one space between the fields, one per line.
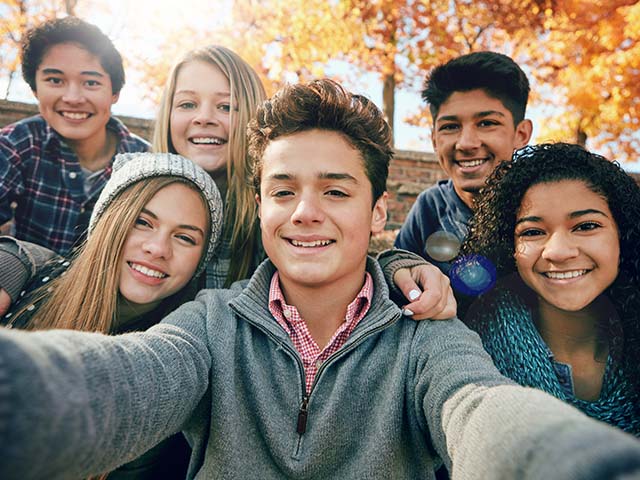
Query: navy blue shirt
x=438 y=208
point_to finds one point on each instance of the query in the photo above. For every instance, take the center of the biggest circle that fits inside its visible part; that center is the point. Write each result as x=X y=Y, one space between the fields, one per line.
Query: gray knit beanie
x=130 y=168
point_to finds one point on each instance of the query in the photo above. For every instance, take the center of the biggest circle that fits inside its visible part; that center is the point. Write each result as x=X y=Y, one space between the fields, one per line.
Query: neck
x=323 y=308
x=569 y=333
x=127 y=311
x=220 y=179
x=467 y=197
x=96 y=152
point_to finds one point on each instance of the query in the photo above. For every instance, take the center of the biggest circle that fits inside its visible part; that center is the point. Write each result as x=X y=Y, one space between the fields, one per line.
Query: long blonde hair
x=241 y=224
x=86 y=296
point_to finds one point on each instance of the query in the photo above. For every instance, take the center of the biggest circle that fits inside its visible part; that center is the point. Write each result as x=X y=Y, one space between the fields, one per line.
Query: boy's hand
x=429 y=292
x=5 y=301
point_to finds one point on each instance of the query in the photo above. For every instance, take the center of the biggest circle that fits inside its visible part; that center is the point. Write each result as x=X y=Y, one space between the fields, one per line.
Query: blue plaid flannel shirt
x=41 y=177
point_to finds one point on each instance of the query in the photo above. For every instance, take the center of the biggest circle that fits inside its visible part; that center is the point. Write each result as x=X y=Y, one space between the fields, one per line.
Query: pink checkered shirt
x=289 y=319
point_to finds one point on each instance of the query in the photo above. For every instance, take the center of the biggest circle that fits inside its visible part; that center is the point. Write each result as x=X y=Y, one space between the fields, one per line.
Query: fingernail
x=413 y=294
x=407 y=312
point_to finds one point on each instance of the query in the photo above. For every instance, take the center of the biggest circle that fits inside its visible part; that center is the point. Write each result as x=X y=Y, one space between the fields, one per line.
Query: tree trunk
x=581 y=137
x=9 y=82
x=388 y=98
x=70 y=6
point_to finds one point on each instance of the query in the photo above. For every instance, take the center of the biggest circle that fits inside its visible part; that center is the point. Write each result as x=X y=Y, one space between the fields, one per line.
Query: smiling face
x=200 y=115
x=163 y=248
x=74 y=93
x=567 y=247
x=473 y=133
x=315 y=210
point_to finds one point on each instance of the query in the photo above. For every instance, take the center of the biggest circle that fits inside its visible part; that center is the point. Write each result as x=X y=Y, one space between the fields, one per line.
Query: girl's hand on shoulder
x=429 y=292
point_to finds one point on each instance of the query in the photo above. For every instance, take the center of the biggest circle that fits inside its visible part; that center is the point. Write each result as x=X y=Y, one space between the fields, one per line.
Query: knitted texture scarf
x=505 y=324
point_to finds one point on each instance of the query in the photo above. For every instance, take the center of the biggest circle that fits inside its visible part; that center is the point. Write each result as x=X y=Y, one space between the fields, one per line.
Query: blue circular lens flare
x=442 y=246
x=472 y=275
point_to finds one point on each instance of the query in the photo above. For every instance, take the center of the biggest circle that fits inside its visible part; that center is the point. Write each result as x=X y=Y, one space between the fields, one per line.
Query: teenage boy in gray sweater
x=309 y=371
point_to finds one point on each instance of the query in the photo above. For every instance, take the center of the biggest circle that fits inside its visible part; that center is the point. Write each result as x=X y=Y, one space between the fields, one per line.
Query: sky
x=121 y=20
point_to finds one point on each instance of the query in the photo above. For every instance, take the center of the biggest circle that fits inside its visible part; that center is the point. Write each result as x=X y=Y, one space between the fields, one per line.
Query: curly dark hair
x=39 y=39
x=491 y=231
x=497 y=74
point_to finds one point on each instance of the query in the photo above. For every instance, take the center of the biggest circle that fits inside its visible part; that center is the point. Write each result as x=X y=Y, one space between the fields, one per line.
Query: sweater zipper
x=302 y=416
x=303 y=410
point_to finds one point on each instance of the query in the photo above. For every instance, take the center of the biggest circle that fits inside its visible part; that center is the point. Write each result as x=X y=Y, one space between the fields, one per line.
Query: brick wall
x=409 y=174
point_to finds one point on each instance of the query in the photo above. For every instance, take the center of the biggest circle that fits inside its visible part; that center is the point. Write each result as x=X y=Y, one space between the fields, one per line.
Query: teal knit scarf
x=509 y=335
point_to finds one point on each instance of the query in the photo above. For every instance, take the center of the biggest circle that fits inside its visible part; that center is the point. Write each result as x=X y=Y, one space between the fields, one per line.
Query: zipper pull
x=302 y=416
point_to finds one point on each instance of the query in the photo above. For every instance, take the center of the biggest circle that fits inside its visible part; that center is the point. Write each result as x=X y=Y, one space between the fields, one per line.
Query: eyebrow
x=183 y=226
x=485 y=113
x=56 y=71
x=572 y=215
x=193 y=92
x=322 y=176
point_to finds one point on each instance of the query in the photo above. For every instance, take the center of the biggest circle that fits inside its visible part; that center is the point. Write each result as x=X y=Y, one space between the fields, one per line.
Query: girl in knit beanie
x=177 y=238
x=153 y=230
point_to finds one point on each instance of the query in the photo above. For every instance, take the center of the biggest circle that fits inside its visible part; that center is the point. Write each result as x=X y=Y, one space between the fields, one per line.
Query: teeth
x=316 y=243
x=147 y=271
x=470 y=163
x=207 y=140
x=565 y=275
x=75 y=115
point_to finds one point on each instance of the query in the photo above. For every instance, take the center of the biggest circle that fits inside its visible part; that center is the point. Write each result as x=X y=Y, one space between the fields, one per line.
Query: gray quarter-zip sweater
x=396 y=396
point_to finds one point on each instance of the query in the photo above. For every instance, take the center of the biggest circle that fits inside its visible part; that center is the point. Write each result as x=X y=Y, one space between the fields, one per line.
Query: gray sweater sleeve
x=82 y=403
x=484 y=426
x=19 y=262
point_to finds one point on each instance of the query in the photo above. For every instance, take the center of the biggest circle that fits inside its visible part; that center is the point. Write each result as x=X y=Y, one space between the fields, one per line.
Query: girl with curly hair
x=562 y=227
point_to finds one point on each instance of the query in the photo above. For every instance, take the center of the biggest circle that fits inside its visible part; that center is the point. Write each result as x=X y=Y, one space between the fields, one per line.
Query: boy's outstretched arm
x=486 y=427
x=74 y=404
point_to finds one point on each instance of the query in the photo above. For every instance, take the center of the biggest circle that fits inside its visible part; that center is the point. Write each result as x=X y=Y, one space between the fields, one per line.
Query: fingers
x=435 y=298
x=5 y=301
x=404 y=281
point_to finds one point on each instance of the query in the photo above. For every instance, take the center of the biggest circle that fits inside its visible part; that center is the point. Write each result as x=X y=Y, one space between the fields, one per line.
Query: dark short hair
x=496 y=74
x=325 y=105
x=38 y=40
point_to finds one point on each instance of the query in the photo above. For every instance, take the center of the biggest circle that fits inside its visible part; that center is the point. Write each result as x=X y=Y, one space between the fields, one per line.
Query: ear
x=379 y=214
x=524 y=130
x=433 y=137
x=115 y=98
x=259 y=205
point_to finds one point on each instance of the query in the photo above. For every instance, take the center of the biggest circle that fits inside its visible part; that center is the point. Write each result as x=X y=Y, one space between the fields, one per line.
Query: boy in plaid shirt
x=54 y=165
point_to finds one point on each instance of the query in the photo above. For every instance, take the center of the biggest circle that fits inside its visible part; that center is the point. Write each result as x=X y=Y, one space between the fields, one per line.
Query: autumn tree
x=588 y=62
x=397 y=39
x=17 y=16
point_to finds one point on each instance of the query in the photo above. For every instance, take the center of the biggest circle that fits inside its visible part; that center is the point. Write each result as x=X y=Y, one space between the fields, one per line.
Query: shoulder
x=129 y=141
x=31 y=128
x=498 y=311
